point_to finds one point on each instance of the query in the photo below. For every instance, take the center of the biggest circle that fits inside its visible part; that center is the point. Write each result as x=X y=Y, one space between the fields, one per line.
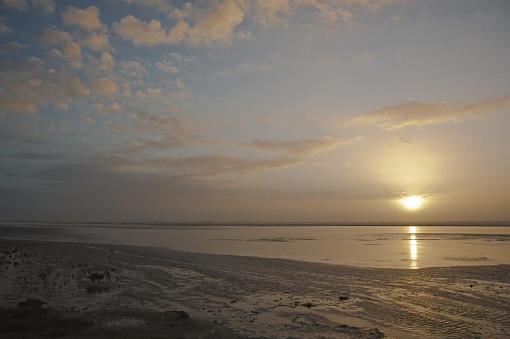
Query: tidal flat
x=66 y=290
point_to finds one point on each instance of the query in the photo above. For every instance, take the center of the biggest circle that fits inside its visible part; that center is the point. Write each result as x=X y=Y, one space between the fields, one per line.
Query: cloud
x=217 y=24
x=54 y=36
x=14 y=105
x=45 y=5
x=415 y=113
x=19 y=5
x=30 y=155
x=162 y=132
x=216 y=21
x=214 y=25
x=175 y=134
x=244 y=68
x=292 y=153
x=72 y=52
x=210 y=165
x=167 y=67
x=301 y=147
x=178 y=32
x=87 y=19
x=97 y=41
x=105 y=86
x=244 y=35
x=186 y=11
x=114 y=107
x=130 y=28
x=14 y=45
x=134 y=69
x=106 y=62
x=169 y=131
x=149 y=33
x=155 y=123
x=270 y=13
x=25 y=90
x=3 y=27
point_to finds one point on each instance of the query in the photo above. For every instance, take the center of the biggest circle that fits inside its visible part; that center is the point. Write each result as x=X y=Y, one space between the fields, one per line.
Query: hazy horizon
x=351 y=111
x=481 y=223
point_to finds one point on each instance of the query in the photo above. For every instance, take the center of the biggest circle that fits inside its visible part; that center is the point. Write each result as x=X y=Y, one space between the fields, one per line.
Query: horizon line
x=269 y=223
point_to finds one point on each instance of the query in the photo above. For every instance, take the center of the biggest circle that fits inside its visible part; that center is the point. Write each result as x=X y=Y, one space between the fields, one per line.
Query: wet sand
x=102 y=291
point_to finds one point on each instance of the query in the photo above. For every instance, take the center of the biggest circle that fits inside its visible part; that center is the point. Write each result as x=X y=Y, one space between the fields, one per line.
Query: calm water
x=374 y=246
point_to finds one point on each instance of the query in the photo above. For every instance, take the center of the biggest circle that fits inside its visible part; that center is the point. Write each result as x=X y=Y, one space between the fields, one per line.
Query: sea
x=400 y=247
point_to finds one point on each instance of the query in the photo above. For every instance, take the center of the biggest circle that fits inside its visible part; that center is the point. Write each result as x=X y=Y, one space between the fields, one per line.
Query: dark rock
x=28 y=308
x=97 y=288
x=96 y=276
x=69 y=323
x=374 y=333
x=177 y=315
x=31 y=303
x=174 y=318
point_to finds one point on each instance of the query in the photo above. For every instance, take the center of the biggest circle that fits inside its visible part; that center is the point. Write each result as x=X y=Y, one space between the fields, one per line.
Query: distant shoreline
x=263 y=224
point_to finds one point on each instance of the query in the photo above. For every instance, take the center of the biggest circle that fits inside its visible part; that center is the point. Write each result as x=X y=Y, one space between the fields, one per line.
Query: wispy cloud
x=302 y=147
x=163 y=133
x=415 y=113
x=277 y=154
x=211 y=165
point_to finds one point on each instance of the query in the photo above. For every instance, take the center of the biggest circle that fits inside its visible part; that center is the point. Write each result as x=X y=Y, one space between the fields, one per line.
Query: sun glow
x=412 y=202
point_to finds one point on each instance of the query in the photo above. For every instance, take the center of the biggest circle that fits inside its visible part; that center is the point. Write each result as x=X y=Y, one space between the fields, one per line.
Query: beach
x=50 y=289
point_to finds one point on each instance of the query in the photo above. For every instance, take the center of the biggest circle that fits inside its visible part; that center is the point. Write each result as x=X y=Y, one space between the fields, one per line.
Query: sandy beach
x=68 y=289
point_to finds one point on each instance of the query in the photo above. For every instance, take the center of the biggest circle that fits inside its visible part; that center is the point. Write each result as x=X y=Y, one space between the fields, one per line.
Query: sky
x=254 y=110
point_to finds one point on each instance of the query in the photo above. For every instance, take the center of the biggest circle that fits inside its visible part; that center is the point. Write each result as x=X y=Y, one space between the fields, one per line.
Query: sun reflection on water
x=413 y=247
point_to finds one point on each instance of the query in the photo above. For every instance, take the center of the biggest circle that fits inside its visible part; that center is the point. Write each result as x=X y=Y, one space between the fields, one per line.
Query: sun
x=412 y=202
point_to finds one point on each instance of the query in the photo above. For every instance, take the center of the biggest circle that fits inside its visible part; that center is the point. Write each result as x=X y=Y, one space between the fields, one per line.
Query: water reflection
x=413 y=247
